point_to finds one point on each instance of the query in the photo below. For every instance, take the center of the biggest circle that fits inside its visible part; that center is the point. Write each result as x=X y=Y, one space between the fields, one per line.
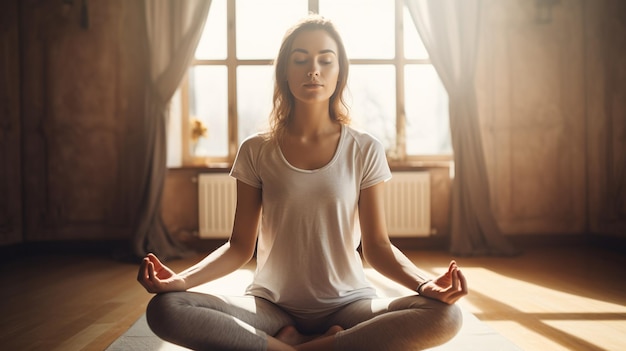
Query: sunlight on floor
x=498 y=287
x=594 y=331
x=524 y=337
x=538 y=323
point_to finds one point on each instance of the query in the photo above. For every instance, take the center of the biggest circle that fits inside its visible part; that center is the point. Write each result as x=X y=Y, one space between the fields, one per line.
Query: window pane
x=208 y=102
x=413 y=45
x=366 y=26
x=212 y=44
x=255 y=85
x=427 y=121
x=260 y=30
x=372 y=100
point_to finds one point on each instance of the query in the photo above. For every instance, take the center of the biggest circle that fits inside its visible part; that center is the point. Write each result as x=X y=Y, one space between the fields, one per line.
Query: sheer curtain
x=174 y=28
x=449 y=30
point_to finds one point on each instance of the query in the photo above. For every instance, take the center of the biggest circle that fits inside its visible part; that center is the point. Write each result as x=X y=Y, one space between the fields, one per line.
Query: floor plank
x=570 y=298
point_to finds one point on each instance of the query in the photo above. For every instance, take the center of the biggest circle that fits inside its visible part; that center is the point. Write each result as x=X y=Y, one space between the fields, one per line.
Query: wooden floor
x=546 y=299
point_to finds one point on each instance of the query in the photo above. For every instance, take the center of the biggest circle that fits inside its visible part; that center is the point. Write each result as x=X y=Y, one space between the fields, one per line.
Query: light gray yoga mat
x=474 y=335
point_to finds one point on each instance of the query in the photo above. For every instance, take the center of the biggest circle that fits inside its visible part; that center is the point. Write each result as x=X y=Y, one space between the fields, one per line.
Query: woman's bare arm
x=383 y=256
x=156 y=277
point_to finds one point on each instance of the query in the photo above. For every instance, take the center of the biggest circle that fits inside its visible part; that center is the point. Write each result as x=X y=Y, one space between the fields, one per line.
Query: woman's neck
x=311 y=121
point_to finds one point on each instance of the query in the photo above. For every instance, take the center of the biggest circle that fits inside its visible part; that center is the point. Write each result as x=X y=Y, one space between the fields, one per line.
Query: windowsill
x=212 y=167
x=395 y=166
x=416 y=165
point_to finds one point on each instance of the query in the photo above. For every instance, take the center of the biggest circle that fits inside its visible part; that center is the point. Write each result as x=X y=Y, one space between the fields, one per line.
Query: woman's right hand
x=448 y=287
x=158 y=278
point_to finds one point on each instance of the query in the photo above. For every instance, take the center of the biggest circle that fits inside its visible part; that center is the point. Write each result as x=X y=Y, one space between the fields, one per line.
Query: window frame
x=396 y=157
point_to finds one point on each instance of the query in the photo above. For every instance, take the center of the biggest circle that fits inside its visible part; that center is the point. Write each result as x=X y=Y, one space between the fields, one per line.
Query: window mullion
x=400 y=152
x=188 y=157
x=249 y=62
x=231 y=65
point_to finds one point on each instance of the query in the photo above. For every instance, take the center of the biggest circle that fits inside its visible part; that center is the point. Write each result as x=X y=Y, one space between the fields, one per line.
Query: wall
x=552 y=98
x=550 y=141
x=79 y=84
x=180 y=202
x=553 y=119
x=605 y=69
x=10 y=166
x=531 y=93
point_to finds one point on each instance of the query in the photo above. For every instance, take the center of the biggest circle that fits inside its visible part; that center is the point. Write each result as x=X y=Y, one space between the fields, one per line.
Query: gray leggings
x=208 y=322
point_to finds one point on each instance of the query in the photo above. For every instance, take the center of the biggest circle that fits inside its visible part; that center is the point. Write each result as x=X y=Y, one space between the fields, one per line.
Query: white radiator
x=407 y=204
x=217 y=199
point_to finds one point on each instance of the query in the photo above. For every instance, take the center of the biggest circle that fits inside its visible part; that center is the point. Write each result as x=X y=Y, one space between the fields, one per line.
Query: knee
x=159 y=312
x=441 y=315
x=450 y=319
x=454 y=316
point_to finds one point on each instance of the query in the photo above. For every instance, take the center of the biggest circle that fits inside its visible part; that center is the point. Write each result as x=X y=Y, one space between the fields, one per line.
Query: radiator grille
x=217 y=202
x=407 y=204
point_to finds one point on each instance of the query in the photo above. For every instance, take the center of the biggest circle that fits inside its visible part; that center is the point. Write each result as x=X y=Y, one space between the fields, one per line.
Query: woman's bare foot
x=291 y=336
x=333 y=330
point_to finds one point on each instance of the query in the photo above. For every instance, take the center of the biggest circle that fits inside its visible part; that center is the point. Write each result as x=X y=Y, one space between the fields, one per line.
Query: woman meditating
x=310 y=191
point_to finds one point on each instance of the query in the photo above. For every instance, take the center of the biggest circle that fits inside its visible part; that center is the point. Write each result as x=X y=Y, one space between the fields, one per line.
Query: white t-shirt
x=307 y=260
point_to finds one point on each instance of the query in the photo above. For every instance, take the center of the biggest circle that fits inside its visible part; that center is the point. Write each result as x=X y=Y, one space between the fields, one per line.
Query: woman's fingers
x=146 y=270
x=143 y=274
x=462 y=282
x=155 y=260
x=151 y=276
x=459 y=288
x=455 y=278
x=147 y=275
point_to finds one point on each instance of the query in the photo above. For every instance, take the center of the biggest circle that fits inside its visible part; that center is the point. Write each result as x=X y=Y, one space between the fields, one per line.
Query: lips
x=313 y=85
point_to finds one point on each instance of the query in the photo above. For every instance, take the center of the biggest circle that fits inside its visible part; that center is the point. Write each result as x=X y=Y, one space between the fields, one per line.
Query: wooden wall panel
x=10 y=167
x=530 y=86
x=82 y=95
x=605 y=36
x=180 y=202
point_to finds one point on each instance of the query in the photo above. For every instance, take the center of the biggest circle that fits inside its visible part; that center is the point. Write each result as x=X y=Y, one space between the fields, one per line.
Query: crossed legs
x=206 y=322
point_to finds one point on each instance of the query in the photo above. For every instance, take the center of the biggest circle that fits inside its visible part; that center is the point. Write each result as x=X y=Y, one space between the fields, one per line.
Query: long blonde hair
x=284 y=101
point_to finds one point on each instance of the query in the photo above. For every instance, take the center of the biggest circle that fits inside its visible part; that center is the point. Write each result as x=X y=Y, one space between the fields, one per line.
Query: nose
x=313 y=74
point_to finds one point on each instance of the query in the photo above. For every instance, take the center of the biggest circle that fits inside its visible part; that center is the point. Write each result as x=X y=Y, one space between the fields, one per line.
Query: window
x=393 y=90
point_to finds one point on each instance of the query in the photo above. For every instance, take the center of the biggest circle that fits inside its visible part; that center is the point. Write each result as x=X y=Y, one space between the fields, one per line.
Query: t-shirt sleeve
x=245 y=167
x=375 y=166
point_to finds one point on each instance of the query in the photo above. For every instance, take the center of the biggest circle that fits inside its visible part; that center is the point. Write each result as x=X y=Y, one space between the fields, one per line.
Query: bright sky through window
x=226 y=91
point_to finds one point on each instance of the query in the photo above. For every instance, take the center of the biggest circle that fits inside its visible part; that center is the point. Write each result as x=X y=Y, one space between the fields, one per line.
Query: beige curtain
x=449 y=30
x=174 y=28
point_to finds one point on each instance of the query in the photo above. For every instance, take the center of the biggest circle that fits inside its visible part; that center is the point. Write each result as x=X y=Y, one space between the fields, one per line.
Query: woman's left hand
x=156 y=277
x=448 y=287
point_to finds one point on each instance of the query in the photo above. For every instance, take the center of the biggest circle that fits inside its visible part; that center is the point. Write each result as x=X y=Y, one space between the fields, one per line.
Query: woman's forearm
x=392 y=263
x=224 y=260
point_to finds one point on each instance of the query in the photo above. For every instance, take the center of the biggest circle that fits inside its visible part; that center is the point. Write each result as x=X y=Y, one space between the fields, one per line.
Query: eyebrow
x=325 y=51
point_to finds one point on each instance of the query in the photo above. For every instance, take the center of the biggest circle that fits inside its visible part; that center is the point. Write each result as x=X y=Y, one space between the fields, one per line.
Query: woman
x=315 y=187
